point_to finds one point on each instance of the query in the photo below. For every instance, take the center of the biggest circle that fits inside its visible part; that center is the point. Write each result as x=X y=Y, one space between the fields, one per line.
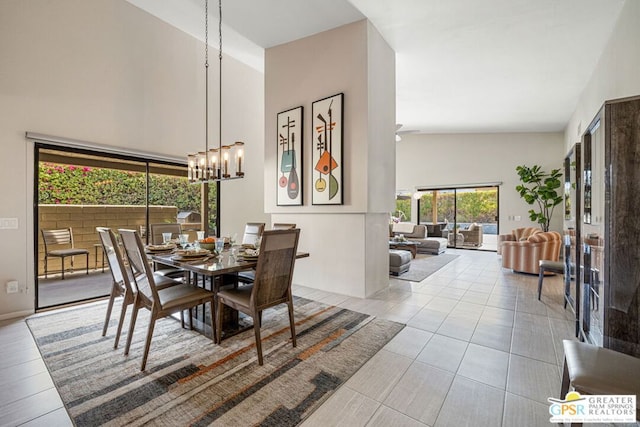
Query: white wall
x=460 y=159
x=617 y=74
x=105 y=71
x=348 y=253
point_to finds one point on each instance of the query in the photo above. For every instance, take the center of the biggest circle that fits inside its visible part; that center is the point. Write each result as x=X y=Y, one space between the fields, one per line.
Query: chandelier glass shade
x=223 y=162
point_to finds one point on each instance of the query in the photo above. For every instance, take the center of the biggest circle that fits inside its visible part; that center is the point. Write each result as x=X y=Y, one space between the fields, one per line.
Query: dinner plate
x=192 y=253
x=190 y=258
x=160 y=248
x=250 y=257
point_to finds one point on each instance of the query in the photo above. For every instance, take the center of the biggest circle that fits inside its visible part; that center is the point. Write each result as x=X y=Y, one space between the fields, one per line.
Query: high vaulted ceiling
x=461 y=65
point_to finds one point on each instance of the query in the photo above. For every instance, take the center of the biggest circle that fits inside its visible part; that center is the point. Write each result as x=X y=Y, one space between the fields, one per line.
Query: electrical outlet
x=12 y=287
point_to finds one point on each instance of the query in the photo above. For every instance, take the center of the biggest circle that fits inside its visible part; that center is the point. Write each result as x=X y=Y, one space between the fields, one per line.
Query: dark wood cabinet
x=609 y=279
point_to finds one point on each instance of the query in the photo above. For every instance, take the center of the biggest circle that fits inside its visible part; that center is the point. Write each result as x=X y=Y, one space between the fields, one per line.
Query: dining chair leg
x=191 y=318
x=132 y=324
x=87 y=262
x=212 y=318
x=256 y=329
x=62 y=268
x=219 y=321
x=292 y=323
x=112 y=297
x=147 y=343
x=123 y=312
x=46 y=267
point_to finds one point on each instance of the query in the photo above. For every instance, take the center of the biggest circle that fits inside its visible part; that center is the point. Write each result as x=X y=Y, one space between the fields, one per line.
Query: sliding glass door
x=467 y=217
x=81 y=190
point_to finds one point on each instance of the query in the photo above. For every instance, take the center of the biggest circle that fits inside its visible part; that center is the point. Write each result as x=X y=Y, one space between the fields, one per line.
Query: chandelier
x=225 y=161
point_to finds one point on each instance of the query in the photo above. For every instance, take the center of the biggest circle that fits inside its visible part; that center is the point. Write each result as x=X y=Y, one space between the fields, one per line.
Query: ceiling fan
x=399 y=132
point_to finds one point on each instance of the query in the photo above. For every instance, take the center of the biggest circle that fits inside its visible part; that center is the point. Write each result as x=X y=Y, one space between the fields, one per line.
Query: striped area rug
x=192 y=381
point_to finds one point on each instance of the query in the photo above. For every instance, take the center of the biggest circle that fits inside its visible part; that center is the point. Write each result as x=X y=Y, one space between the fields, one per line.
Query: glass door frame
x=122 y=156
x=453 y=226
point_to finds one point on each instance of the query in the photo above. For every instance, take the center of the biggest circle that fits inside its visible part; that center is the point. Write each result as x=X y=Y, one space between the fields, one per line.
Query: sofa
x=519 y=234
x=438 y=230
x=472 y=235
x=523 y=256
x=418 y=233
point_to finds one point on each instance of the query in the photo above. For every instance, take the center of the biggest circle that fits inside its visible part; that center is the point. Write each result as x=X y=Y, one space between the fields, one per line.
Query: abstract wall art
x=289 y=158
x=326 y=159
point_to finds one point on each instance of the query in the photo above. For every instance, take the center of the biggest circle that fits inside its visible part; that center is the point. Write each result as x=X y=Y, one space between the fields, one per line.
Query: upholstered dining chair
x=62 y=239
x=252 y=231
x=156 y=238
x=272 y=285
x=121 y=285
x=160 y=302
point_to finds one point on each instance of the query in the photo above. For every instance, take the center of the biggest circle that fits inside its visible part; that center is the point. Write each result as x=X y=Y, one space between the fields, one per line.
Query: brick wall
x=83 y=219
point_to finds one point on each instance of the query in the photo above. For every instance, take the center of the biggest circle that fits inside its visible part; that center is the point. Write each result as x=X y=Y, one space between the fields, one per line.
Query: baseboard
x=15 y=314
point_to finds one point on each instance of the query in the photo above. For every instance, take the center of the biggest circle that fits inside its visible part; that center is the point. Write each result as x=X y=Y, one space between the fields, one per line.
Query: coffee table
x=405 y=246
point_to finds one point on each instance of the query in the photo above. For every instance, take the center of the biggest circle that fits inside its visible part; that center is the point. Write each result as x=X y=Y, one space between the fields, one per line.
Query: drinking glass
x=200 y=235
x=219 y=245
x=184 y=240
x=233 y=239
x=166 y=238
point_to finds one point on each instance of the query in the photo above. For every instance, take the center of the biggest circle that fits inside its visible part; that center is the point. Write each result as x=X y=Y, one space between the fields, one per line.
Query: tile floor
x=479 y=349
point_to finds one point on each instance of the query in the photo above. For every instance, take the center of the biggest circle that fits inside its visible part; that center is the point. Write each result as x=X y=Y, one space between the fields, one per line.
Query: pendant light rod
x=215 y=164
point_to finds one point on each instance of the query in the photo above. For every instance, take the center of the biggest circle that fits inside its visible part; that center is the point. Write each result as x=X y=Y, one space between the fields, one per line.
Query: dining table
x=217 y=269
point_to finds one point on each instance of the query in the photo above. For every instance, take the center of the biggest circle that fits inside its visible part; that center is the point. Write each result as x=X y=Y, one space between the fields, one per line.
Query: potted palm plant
x=540 y=188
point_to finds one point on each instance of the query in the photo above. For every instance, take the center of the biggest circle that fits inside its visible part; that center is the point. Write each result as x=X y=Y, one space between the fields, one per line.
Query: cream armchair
x=524 y=256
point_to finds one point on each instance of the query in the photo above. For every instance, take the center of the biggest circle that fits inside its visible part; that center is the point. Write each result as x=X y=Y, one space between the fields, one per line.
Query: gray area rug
x=192 y=381
x=425 y=265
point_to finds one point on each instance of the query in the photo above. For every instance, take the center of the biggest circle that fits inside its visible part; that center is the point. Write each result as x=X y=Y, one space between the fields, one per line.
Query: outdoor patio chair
x=63 y=239
x=272 y=285
x=121 y=286
x=160 y=302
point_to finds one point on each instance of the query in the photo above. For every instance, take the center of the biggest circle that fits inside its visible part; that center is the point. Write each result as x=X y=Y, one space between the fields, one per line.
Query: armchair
x=524 y=256
x=517 y=235
x=473 y=235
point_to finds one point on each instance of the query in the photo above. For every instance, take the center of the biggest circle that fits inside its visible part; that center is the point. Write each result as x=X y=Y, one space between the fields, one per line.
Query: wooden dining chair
x=252 y=231
x=121 y=285
x=160 y=302
x=272 y=285
x=62 y=239
x=282 y=226
x=167 y=227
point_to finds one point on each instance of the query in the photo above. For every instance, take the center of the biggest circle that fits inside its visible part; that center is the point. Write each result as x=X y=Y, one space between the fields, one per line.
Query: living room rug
x=424 y=266
x=192 y=381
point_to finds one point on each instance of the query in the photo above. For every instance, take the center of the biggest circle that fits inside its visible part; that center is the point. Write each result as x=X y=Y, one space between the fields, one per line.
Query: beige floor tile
x=485 y=365
x=533 y=345
x=498 y=316
x=532 y=323
x=502 y=301
x=427 y=319
x=492 y=335
x=409 y=342
x=486 y=409
x=533 y=379
x=441 y=303
x=522 y=412
x=34 y=406
x=475 y=297
x=458 y=327
x=379 y=375
x=345 y=407
x=57 y=418
x=409 y=396
x=24 y=387
x=401 y=312
x=387 y=417
x=443 y=352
